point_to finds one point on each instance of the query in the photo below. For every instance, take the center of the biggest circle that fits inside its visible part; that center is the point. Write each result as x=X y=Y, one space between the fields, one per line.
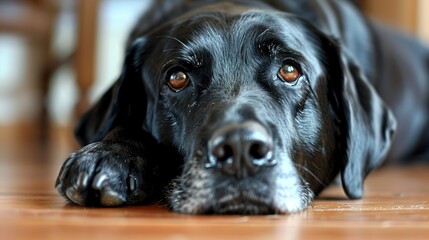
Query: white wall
x=15 y=101
x=118 y=18
x=423 y=20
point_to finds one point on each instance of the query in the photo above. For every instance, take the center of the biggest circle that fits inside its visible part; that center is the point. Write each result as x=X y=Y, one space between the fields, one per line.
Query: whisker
x=262 y=34
x=311 y=174
x=174 y=50
x=179 y=41
x=165 y=65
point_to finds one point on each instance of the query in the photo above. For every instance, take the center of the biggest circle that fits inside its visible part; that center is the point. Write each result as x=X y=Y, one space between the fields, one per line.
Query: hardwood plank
x=396 y=206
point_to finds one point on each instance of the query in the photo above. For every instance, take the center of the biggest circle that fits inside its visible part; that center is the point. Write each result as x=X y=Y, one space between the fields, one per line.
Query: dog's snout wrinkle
x=240 y=149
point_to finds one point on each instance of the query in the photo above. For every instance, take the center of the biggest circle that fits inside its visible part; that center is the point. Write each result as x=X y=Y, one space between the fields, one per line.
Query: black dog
x=250 y=107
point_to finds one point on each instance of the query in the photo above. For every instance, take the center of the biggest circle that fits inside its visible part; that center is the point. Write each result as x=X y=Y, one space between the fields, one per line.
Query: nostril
x=259 y=150
x=261 y=153
x=223 y=153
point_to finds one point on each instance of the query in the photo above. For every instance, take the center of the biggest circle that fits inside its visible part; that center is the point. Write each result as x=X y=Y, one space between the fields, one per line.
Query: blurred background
x=58 y=56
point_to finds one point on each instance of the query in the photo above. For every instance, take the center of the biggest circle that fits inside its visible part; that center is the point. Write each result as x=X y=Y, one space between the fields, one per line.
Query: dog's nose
x=240 y=149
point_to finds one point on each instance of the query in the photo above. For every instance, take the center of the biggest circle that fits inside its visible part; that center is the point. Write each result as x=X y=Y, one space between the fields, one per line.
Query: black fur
x=238 y=139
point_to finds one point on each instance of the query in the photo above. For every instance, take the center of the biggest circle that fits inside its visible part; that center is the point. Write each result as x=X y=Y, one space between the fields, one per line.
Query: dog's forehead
x=232 y=34
x=240 y=27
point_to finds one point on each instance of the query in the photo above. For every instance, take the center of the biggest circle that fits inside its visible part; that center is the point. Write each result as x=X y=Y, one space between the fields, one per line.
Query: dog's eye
x=177 y=81
x=289 y=72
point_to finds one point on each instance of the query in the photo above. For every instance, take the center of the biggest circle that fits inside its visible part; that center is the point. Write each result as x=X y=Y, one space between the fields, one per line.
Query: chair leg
x=48 y=64
x=85 y=53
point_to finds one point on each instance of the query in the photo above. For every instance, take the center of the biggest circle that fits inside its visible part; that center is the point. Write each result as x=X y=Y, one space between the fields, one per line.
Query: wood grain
x=396 y=206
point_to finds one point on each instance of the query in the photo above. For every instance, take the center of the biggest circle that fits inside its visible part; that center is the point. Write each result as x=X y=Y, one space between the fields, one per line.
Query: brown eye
x=289 y=73
x=177 y=81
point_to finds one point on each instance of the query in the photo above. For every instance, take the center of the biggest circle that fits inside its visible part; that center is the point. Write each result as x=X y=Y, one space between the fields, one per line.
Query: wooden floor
x=396 y=206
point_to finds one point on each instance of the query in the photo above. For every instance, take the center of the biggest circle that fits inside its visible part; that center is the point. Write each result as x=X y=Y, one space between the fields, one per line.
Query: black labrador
x=250 y=107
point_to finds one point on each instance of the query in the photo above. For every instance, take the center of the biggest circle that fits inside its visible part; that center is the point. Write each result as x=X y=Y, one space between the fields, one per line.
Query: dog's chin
x=276 y=190
x=243 y=206
x=283 y=200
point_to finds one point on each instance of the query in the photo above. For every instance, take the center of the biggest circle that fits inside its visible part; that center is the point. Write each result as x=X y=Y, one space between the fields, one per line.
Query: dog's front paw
x=105 y=174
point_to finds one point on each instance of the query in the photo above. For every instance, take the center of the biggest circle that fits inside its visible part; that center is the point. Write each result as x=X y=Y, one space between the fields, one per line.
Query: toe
x=76 y=196
x=77 y=193
x=100 y=181
x=108 y=196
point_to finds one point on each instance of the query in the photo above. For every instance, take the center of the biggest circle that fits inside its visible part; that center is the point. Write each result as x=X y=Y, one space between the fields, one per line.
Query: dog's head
x=264 y=108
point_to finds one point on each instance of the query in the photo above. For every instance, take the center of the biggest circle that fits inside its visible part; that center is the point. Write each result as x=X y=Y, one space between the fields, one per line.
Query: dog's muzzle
x=240 y=149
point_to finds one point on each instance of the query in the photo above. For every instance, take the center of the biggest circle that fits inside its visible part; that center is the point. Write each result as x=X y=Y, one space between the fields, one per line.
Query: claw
x=76 y=193
x=82 y=181
x=132 y=183
x=100 y=181
x=59 y=188
x=110 y=198
x=75 y=196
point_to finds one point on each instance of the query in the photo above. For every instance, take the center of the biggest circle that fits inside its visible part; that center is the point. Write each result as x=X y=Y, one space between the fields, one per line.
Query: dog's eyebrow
x=273 y=43
x=193 y=59
x=179 y=41
x=180 y=58
x=187 y=55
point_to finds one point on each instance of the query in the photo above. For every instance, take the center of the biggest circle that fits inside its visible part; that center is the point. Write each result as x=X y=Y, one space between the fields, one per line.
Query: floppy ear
x=123 y=103
x=367 y=124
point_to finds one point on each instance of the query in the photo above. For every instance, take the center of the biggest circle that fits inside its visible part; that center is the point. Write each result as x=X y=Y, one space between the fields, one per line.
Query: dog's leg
x=115 y=171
